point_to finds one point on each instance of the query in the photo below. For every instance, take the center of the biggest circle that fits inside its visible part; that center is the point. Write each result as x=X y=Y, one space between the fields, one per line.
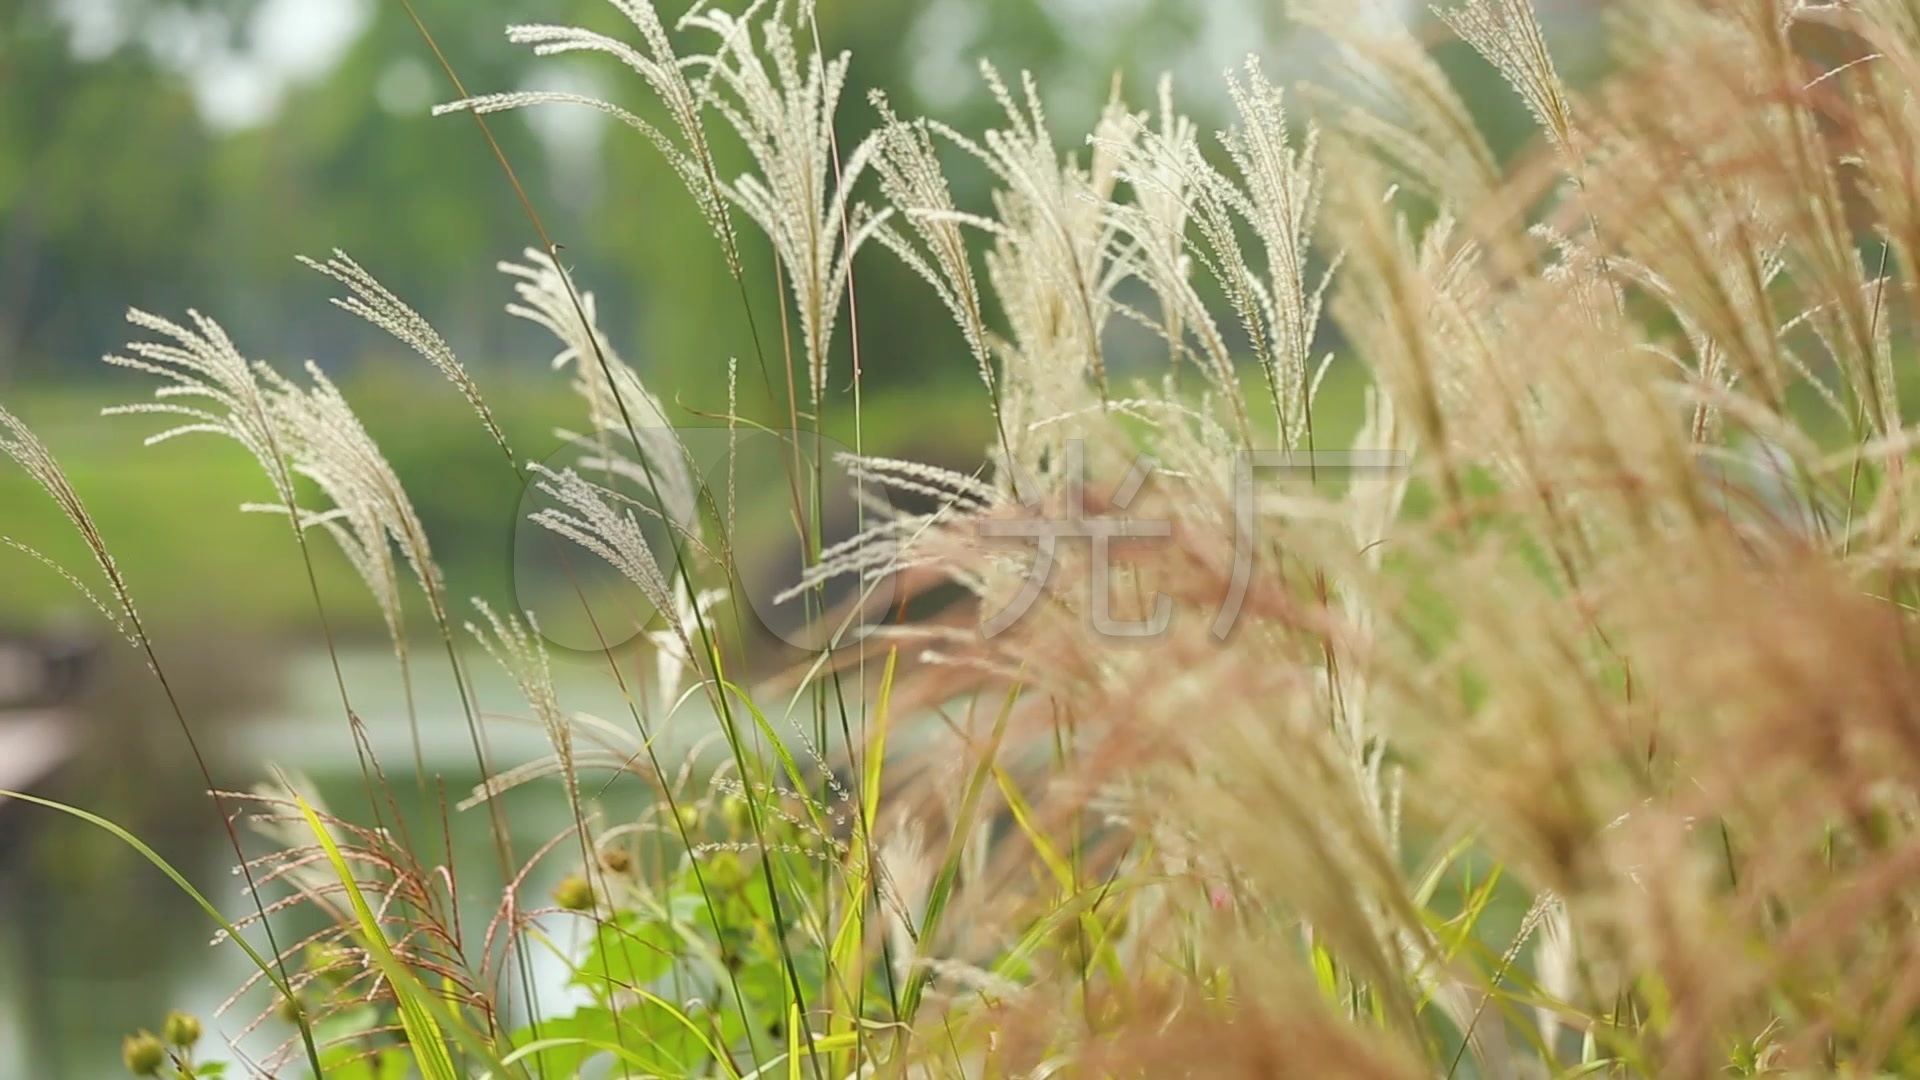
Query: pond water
x=75 y=976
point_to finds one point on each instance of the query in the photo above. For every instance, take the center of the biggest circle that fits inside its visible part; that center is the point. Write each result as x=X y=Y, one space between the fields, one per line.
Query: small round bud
x=726 y=871
x=736 y=813
x=689 y=817
x=616 y=860
x=574 y=894
x=289 y=1009
x=180 y=1029
x=333 y=964
x=143 y=1054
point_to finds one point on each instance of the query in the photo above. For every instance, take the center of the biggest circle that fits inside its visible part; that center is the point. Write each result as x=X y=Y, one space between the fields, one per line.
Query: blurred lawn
x=171 y=514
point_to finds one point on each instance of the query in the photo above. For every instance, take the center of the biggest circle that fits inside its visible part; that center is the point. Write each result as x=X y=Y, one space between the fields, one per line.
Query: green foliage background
x=116 y=192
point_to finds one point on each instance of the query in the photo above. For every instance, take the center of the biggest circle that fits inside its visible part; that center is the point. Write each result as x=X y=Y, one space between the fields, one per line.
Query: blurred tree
x=356 y=161
x=115 y=190
x=103 y=174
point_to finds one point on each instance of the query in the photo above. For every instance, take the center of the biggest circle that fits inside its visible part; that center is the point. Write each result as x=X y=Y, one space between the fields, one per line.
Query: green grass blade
x=788 y=763
x=424 y=1035
x=942 y=889
x=266 y=966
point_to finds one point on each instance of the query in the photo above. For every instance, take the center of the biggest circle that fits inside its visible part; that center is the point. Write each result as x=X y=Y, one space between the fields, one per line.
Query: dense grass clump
x=1562 y=720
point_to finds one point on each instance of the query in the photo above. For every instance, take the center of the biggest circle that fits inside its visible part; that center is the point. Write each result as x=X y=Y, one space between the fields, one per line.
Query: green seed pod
x=180 y=1029
x=289 y=1009
x=725 y=871
x=574 y=894
x=143 y=1054
x=736 y=813
x=334 y=964
x=616 y=860
x=689 y=817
